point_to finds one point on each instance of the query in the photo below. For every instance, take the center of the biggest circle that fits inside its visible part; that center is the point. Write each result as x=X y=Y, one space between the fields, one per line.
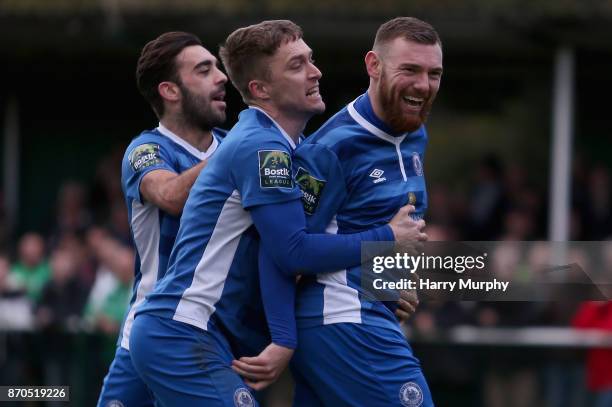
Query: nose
x=314 y=72
x=222 y=77
x=421 y=82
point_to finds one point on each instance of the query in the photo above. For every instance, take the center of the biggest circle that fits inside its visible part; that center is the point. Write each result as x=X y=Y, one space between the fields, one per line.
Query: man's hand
x=406 y=305
x=263 y=370
x=405 y=229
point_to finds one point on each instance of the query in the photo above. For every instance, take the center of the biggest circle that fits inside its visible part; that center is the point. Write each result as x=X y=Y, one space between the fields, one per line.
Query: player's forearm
x=282 y=228
x=171 y=194
x=323 y=253
x=278 y=295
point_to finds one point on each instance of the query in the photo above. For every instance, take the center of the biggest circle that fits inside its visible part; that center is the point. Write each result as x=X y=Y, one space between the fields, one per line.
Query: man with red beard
x=355 y=172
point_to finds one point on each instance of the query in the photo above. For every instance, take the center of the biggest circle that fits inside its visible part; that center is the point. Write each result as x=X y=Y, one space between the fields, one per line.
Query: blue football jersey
x=212 y=277
x=354 y=176
x=153 y=230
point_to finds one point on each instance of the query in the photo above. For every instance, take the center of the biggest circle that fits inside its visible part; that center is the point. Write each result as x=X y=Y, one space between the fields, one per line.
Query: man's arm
x=282 y=228
x=169 y=190
x=278 y=294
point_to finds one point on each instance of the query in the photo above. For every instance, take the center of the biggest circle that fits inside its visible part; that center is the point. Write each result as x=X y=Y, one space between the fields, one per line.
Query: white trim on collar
x=371 y=128
x=202 y=155
x=283 y=132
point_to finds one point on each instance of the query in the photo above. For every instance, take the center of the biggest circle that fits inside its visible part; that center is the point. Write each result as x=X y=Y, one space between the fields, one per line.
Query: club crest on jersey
x=411 y=395
x=377 y=175
x=417 y=164
x=411 y=198
x=145 y=155
x=311 y=188
x=243 y=398
x=114 y=403
x=274 y=169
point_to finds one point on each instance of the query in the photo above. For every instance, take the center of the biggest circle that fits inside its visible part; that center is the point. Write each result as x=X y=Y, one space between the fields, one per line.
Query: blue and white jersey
x=355 y=175
x=153 y=230
x=212 y=279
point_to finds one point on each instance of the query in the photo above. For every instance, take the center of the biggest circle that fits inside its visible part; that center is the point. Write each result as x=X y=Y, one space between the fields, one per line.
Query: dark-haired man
x=367 y=162
x=184 y=86
x=208 y=304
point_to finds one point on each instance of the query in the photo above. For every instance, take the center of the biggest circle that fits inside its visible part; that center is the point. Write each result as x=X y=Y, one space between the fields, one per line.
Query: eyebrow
x=207 y=62
x=435 y=69
x=299 y=56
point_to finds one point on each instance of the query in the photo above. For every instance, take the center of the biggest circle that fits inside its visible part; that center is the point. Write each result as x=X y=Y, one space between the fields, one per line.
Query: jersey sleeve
x=319 y=175
x=140 y=159
x=278 y=297
x=262 y=171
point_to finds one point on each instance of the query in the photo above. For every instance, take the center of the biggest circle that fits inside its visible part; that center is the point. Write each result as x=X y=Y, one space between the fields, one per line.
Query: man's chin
x=315 y=109
x=219 y=119
x=320 y=108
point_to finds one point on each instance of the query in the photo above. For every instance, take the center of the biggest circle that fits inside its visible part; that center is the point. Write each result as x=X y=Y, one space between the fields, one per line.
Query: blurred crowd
x=502 y=204
x=74 y=275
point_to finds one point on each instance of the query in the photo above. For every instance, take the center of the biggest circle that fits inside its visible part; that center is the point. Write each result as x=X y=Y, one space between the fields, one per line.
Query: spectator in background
x=15 y=306
x=73 y=215
x=487 y=200
x=58 y=316
x=106 y=188
x=62 y=298
x=519 y=225
x=32 y=269
x=441 y=211
x=597 y=315
x=4 y=227
x=598 y=205
x=118 y=225
x=106 y=310
x=110 y=295
x=85 y=260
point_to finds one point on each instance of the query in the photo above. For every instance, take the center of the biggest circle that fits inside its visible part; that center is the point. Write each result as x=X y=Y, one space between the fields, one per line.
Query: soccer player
x=208 y=304
x=181 y=81
x=356 y=171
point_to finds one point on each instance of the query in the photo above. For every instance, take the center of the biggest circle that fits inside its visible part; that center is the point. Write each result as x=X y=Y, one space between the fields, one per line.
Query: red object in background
x=597 y=315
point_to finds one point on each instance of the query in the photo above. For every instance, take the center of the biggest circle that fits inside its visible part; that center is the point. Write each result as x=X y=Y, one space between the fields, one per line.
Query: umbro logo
x=378 y=175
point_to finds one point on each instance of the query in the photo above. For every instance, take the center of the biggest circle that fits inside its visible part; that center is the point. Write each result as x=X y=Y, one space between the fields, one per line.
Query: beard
x=198 y=110
x=391 y=103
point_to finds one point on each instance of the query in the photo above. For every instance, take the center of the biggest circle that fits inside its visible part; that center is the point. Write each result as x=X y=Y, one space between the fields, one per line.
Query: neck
x=294 y=126
x=375 y=101
x=197 y=137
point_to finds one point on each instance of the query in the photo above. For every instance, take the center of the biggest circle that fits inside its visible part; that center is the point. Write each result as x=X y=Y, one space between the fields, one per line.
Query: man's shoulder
x=150 y=140
x=151 y=135
x=152 y=147
x=338 y=130
x=254 y=132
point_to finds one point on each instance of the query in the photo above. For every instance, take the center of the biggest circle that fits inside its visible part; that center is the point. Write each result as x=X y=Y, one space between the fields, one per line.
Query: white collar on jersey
x=371 y=128
x=283 y=132
x=202 y=155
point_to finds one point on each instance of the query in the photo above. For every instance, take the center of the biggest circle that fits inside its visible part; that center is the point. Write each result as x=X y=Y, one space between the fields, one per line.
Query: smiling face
x=202 y=87
x=406 y=77
x=293 y=84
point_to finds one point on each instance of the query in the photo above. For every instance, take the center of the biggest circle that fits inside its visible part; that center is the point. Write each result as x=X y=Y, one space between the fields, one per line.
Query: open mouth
x=414 y=101
x=218 y=97
x=313 y=92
